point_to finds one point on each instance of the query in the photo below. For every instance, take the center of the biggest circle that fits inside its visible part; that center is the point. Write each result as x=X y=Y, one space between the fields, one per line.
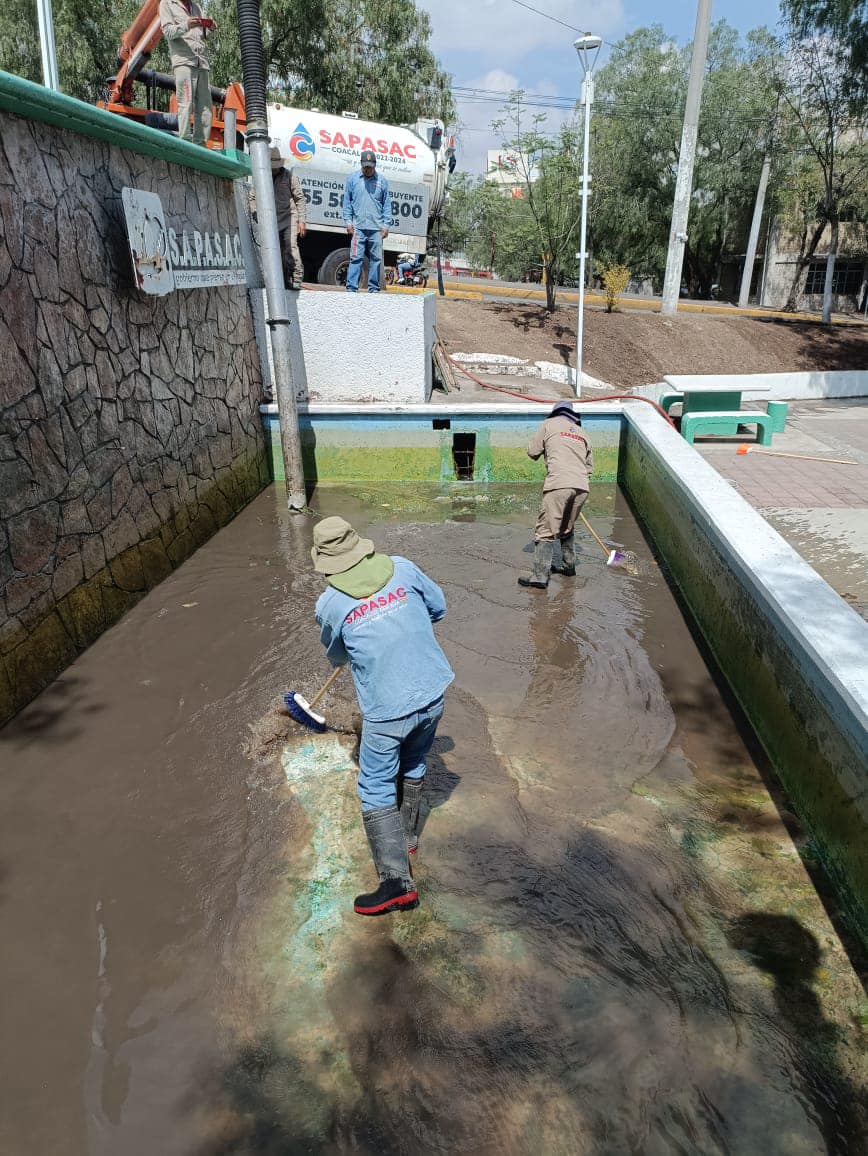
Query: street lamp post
x=585 y=46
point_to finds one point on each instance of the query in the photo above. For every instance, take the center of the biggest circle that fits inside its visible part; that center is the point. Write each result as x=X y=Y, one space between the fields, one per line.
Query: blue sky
x=498 y=45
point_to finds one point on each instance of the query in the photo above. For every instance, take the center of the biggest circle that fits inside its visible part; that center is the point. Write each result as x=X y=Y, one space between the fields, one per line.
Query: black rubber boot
x=397 y=891
x=411 y=795
x=567 y=566
x=543 y=552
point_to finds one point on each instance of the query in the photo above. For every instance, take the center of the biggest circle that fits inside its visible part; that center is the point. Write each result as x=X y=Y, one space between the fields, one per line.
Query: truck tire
x=333 y=270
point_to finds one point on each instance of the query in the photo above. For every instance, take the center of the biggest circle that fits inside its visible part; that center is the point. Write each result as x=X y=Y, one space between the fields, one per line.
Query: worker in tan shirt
x=569 y=463
x=186 y=29
x=291 y=209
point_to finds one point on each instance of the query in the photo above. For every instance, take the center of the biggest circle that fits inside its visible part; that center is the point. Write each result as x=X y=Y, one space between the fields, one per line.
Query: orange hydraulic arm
x=137 y=44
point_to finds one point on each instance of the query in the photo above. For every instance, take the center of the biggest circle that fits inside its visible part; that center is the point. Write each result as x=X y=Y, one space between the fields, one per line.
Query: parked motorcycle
x=417 y=279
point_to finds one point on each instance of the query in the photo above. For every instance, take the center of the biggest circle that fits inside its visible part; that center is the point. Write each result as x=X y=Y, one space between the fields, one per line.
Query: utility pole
x=753 y=239
x=750 y=256
x=686 y=158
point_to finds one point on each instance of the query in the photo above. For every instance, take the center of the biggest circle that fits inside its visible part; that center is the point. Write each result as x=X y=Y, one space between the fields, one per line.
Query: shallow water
x=619 y=946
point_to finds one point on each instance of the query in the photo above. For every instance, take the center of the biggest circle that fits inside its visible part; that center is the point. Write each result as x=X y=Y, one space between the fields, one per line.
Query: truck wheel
x=333 y=270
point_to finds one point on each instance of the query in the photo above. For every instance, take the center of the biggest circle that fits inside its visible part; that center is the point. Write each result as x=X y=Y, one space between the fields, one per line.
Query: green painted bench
x=726 y=422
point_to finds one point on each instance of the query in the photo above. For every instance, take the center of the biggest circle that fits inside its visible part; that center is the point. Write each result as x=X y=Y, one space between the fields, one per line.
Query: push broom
x=613 y=557
x=302 y=710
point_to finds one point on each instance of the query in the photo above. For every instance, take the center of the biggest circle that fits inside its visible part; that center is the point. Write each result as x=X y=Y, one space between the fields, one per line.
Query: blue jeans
x=395 y=747
x=365 y=243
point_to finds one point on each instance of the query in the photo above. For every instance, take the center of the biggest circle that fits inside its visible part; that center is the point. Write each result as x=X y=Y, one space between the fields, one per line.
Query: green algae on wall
x=332 y=459
x=32 y=656
x=816 y=757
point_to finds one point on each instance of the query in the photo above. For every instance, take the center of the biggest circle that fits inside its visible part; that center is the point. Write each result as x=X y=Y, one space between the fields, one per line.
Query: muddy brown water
x=620 y=948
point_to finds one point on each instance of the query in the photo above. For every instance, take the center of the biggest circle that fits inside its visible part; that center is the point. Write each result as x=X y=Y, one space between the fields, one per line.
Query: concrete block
x=355 y=346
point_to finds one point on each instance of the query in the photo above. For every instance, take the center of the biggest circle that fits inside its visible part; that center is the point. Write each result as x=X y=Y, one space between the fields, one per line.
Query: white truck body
x=323 y=150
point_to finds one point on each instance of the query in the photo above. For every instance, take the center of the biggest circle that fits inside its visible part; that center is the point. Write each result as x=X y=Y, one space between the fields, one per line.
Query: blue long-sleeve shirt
x=366 y=202
x=388 y=639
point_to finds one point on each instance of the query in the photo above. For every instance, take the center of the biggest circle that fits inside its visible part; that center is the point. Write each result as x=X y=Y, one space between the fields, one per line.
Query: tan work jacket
x=186 y=45
x=568 y=454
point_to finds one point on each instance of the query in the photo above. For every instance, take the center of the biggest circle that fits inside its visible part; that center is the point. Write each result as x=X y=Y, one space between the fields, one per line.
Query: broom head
x=616 y=558
x=301 y=711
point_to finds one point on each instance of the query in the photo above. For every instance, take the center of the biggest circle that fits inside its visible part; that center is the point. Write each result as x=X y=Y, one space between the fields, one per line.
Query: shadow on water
x=790 y=954
x=58 y=715
x=619 y=1034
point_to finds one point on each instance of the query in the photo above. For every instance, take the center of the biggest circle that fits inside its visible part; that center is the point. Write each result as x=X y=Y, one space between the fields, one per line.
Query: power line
x=547 y=15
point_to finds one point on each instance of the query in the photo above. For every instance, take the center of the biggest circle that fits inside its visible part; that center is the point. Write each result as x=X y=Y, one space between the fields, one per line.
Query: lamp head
x=587 y=43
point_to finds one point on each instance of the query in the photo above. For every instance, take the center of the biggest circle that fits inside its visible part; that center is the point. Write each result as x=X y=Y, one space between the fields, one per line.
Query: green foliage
x=615 y=279
x=845 y=22
x=369 y=56
x=635 y=143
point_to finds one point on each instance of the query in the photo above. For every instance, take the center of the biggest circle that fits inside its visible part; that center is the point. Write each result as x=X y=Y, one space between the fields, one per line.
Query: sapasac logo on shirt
x=377 y=607
x=301 y=144
x=576 y=437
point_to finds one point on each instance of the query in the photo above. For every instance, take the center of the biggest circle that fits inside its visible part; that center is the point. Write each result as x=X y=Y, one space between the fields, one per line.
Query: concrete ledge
x=782 y=386
x=34 y=102
x=792 y=650
x=360 y=347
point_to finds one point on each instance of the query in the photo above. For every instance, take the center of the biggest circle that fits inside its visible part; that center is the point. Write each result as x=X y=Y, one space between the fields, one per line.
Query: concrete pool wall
x=791 y=649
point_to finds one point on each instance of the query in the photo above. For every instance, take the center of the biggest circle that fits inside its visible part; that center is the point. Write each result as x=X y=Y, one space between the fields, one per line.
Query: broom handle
x=337 y=670
x=588 y=525
x=804 y=457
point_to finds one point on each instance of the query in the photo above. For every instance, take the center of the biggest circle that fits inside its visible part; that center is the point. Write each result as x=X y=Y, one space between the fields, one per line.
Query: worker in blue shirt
x=377 y=613
x=366 y=213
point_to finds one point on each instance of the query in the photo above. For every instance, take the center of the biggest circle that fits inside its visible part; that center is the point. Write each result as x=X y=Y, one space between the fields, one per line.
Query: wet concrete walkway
x=620 y=947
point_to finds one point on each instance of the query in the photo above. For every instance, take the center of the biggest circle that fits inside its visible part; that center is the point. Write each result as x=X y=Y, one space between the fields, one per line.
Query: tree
x=636 y=132
x=546 y=213
x=844 y=21
x=369 y=56
x=832 y=121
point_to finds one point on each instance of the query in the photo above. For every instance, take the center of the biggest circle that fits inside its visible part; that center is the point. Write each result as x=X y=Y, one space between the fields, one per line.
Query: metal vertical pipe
x=229 y=128
x=277 y=317
x=686 y=158
x=46 y=45
x=588 y=94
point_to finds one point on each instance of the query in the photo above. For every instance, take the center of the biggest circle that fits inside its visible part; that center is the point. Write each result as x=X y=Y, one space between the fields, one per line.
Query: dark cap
x=565 y=409
x=369 y=157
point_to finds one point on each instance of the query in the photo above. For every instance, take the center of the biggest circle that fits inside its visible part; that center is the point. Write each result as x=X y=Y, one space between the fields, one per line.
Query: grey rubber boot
x=411 y=795
x=397 y=891
x=543 y=552
x=567 y=566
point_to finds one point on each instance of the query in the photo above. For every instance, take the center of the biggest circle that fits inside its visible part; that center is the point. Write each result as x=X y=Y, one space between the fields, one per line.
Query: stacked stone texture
x=129 y=425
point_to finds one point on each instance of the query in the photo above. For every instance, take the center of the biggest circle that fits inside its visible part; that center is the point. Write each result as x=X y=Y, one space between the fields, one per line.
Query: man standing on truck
x=185 y=29
x=366 y=205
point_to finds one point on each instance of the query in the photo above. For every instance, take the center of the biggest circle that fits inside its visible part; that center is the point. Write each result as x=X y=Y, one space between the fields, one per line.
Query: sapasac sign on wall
x=166 y=257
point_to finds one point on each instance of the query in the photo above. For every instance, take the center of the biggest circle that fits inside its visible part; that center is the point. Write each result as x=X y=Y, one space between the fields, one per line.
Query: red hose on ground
x=553 y=400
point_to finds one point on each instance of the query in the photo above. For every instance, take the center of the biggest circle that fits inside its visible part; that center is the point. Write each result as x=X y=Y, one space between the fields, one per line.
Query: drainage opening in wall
x=463 y=454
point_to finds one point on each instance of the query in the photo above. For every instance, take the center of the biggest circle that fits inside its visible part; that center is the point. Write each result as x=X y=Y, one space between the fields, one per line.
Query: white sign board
x=166 y=257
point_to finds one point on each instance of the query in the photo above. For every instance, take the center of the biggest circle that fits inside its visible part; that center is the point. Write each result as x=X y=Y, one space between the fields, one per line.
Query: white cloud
x=503 y=32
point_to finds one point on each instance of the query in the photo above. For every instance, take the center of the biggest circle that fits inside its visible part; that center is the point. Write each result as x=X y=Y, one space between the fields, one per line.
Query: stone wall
x=129 y=429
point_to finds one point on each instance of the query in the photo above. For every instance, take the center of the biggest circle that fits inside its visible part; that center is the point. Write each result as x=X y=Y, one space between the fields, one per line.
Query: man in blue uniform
x=366 y=216
x=377 y=613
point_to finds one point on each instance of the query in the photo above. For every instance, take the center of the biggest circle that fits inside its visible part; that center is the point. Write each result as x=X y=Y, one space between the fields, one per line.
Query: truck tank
x=323 y=150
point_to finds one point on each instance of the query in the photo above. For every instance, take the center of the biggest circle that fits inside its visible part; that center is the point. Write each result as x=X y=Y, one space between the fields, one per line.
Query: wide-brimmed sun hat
x=337 y=547
x=275 y=157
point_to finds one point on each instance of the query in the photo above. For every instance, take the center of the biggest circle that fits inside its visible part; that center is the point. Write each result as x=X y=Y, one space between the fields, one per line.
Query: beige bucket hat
x=337 y=547
x=275 y=158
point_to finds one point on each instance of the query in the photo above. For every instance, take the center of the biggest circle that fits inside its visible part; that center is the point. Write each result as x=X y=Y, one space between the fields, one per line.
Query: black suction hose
x=252 y=63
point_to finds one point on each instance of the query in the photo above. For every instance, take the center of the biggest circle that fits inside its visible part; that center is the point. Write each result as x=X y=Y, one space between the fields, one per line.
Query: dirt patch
x=628 y=349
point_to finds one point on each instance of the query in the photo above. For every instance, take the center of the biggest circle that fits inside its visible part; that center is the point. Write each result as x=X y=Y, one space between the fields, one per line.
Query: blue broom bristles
x=298 y=707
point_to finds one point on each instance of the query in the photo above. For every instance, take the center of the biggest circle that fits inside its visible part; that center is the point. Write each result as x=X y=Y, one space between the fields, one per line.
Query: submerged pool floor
x=620 y=946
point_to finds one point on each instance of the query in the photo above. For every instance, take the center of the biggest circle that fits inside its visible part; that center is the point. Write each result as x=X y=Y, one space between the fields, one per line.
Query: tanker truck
x=323 y=150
